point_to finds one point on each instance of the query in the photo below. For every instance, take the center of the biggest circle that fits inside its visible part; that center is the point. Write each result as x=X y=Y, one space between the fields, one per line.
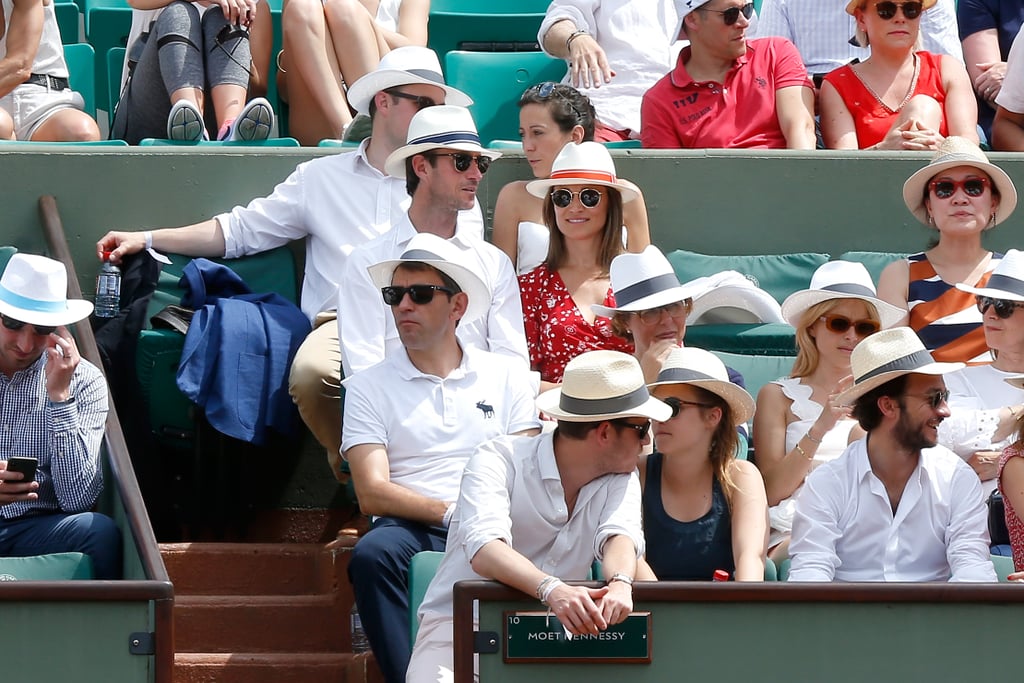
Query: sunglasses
x=641 y=430
x=547 y=89
x=462 y=161
x=421 y=101
x=589 y=197
x=972 y=187
x=418 y=294
x=14 y=325
x=652 y=316
x=840 y=324
x=933 y=399
x=887 y=10
x=732 y=15
x=678 y=405
x=1003 y=308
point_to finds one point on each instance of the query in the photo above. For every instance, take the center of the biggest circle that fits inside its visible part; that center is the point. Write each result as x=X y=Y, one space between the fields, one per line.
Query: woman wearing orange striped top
x=961 y=195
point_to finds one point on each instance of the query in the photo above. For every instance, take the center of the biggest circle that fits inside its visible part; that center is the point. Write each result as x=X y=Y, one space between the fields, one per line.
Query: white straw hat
x=602 y=385
x=441 y=127
x=889 y=354
x=33 y=289
x=952 y=152
x=645 y=280
x=439 y=253
x=685 y=7
x=690 y=365
x=583 y=163
x=839 y=280
x=1005 y=282
x=403 y=66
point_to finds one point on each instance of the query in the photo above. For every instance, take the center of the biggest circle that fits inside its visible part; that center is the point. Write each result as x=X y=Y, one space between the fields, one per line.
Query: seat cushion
x=54 y=567
x=778 y=274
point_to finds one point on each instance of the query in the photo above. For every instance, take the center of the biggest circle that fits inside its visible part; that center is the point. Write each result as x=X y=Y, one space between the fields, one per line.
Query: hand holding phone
x=26 y=466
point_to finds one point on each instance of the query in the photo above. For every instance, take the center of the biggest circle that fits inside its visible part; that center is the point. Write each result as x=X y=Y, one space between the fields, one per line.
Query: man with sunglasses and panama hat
x=442 y=163
x=726 y=91
x=894 y=506
x=412 y=422
x=53 y=407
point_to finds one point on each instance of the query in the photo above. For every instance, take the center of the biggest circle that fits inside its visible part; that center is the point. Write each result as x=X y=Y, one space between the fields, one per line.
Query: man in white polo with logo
x=894 y=506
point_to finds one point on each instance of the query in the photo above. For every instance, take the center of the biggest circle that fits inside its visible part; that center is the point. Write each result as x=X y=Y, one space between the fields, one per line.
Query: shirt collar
x=863 y=465
x=546 y=457
x=681 y=78
x=361 y=158
x=407 y=371
x=405 y=231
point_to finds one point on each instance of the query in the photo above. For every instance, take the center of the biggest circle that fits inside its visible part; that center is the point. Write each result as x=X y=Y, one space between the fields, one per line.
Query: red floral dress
x=1013 y=523
x=556 y=331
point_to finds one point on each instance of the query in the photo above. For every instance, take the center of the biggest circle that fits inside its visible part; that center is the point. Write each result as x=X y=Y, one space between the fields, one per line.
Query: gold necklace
x=906 y=98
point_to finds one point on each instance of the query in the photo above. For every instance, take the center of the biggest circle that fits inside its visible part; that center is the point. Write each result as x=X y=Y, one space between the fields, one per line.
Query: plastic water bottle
x=108 y=289
x=720 y=575
x=359 y=641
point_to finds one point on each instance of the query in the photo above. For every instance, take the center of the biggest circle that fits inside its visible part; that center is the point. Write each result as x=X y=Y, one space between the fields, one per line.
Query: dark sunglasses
x=589 y=197
x=1003 y=308
x=550 y=88
x=652 y=316
x=972 y=187
x=887 y=10
x=418 y=294
x=732 y=15
x=934 y=399
x=678 y=405
x=421 y=101
x=840 y=324
x=14 y=325
x=462 y=161
x=641 y=430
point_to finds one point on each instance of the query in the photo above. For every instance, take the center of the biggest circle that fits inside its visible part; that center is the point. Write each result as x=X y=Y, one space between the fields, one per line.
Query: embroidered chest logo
x=761 y=82
x=485 y=408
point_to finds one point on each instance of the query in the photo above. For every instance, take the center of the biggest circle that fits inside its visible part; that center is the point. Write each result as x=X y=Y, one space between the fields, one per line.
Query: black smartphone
x=27 y=466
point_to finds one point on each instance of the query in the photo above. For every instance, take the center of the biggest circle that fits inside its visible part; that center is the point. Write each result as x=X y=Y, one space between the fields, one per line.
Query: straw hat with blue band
x=33 y=289
x=602 y=385
x=839 y=280
x=700 y=368
x=443 y=127
x=407 y=65
x=1006 y=281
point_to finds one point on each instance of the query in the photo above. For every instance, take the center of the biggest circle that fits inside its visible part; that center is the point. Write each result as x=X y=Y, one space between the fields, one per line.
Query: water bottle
x=108 y=289
x=720 y=575
x=359 y=641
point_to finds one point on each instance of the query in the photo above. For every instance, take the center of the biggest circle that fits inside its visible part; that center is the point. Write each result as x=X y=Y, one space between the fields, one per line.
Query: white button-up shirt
x=845 y=529
x=366 y=326
x=338 y=202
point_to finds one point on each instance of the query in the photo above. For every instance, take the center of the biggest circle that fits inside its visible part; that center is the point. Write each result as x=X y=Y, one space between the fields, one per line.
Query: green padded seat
x=874 y=261
x=778 y=274
x=494 y=27
x=421 y=572
x=756 y=370
x=6 y=252
x=115 y=67
x=1003 y=565
x=773 y=339
x=269 y=142
x=53 y=567
x=332 y=142
x=107 y=24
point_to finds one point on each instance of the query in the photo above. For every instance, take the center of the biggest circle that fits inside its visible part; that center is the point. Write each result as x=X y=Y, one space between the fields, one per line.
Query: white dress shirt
x=821 y=31
x=1011 y=96
x=845 y=529
x=338 y=202
x=366 y=326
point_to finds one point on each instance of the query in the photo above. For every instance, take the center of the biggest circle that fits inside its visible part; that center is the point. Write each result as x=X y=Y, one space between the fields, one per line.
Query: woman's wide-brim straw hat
x=700 y=368
x=602 y=385
x=839 y=280
x=644 y=281
x=854 y=4
x=407 y=65
x=889 y=354
x=955 y=151
x=1006 y=281
x=33 y=289
x=584 y=163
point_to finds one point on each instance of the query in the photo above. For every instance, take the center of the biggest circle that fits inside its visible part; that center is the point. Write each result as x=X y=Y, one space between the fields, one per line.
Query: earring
x=992 y=219
x=931 y=221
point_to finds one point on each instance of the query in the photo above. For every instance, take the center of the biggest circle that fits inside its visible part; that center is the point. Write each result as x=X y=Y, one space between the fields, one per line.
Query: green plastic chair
x=67 y=21
x=53 y=567
x=421 y=573
x=1004 y=567
x=331 y=142
x=783 y=570
x=771 y=572
x=80 y=58
x=115 y=67
x=495 y=27
x=495 y=81
x=756 y=370
x=107 y=25
x=270 y=142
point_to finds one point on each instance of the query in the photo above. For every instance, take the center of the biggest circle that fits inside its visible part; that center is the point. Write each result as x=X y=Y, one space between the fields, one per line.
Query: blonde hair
x=860 y=36
x=807 y=355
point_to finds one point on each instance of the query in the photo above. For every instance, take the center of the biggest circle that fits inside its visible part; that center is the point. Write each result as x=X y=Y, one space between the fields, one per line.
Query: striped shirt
x=947 y=320
x=65 y=437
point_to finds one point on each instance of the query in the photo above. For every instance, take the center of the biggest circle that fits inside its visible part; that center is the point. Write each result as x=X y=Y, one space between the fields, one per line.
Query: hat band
x=576 y=174
x=602 y=406
x=639 y=290
x=850 y=288
x=910 y=363
x=431 y=76
x=420 y=255
x=447 y=137
x=682 y=375
x=20 y=301
x=1005 y=283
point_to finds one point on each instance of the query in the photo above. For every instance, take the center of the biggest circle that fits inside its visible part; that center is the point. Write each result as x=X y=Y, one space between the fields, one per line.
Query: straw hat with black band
x=644 y=281
x=1006 y=281
x=700 y=368
x=409 y=65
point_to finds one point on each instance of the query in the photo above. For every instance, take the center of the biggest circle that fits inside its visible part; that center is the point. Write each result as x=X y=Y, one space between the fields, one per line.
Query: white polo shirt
x=431 y=425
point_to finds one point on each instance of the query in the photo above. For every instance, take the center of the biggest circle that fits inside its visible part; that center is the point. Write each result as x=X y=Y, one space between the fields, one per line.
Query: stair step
x=248 y=667
x=260 y=624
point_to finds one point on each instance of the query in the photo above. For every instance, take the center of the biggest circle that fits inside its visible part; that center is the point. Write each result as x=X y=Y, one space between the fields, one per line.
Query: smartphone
x=27 y=466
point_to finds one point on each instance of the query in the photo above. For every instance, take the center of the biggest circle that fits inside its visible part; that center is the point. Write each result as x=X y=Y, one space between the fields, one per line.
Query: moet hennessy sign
x=540 y=637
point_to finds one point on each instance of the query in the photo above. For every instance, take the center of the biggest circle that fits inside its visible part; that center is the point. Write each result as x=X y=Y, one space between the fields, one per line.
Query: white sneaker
x=185 y=122
x=254 y=122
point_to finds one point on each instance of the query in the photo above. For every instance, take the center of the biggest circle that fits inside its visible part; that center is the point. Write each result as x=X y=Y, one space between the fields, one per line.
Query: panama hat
x=887 y=355
x=583 y=163
x=33 y=289
x=952 y=152
x=685 y=7
x=602 y=385
x=403 y=66
x=839 y=280
x=644 y=281
x=1006 y=281
x=690 y=365
x=441 y=127
x=441 y=254
x=730 y=297
x=1017 y=381
x=854 y=4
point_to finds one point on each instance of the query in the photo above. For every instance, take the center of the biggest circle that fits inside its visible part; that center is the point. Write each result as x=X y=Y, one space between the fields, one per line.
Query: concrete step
x=245 y=667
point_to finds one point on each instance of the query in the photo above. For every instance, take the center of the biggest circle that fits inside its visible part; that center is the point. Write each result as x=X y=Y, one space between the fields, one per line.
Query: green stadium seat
x=115 y=67
x=1003 y=566
x=67 y=21
x=6 y=252
x=53 y=567
x=778 y=274
x=270 y=142
x=518 y=145
x=756 y=339
x=784 y=569
x=495 y=81
x=89 y=143
x=107 y=23
x=81 y=73
x=756 y=370
x=623 y=144
x=421 y=573
x=472 y=25
x=771 y=572
x=874 y=261
x=331 y=142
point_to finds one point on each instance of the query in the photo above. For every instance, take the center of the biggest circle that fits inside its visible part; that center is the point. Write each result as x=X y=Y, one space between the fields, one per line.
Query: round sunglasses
x=418 y=294
x=14 y=325
x=462 y=161
x=840 y=324
x=887 y=10
x=589 y=197
x=652 y=316
x=1003 y=307
x=972 y=187
x=732 y=15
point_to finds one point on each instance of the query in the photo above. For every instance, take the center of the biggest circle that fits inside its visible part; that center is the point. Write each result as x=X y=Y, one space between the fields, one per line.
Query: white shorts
x=30 y=105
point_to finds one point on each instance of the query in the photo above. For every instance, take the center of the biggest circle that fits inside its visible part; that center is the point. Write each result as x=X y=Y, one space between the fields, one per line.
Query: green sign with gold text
x=538 y=636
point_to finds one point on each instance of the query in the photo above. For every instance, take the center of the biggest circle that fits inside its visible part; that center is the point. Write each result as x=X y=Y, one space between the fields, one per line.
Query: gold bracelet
x=801 y=452
x=808 y=435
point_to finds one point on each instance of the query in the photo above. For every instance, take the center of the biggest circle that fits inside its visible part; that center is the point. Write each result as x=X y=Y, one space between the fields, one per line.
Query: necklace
x=906 y=98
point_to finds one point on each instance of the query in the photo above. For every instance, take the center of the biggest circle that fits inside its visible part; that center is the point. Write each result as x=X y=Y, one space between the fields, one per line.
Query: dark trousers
x=379 y=572
x=89 y=533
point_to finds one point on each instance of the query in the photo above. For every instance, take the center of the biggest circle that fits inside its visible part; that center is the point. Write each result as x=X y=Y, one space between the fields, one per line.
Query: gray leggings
x=180 y=51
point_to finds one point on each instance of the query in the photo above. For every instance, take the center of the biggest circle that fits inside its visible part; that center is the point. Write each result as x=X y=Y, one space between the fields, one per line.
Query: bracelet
x=808 y=435
x=448 y=514
x=550 y=588
x=148 y=236
x=801 y=452
x=541 y=587
x=628 y=580
x=573 y=36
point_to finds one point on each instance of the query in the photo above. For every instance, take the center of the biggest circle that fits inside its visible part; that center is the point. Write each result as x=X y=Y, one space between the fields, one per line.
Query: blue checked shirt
x=65 y=437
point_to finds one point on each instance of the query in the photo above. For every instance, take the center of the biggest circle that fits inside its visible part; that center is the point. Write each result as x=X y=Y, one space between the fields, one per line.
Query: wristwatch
x=620 y=577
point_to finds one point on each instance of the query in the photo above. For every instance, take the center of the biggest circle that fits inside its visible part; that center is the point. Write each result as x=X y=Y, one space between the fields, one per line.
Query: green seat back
x=5 y=255
x=756 y=370
x=1003 y=565
x=67 y=21
x=80 y=58
x=495 y=81
x=778 y=274
x=517 y=145
x=772 y=339
x=784 y=569
x=874 y=261
x=269 y=142
x=771 y=572
x=421 y=573
x=491 y=27
x=331 y=142
x=107 y=24
x=54 y=567
x=115 y=67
